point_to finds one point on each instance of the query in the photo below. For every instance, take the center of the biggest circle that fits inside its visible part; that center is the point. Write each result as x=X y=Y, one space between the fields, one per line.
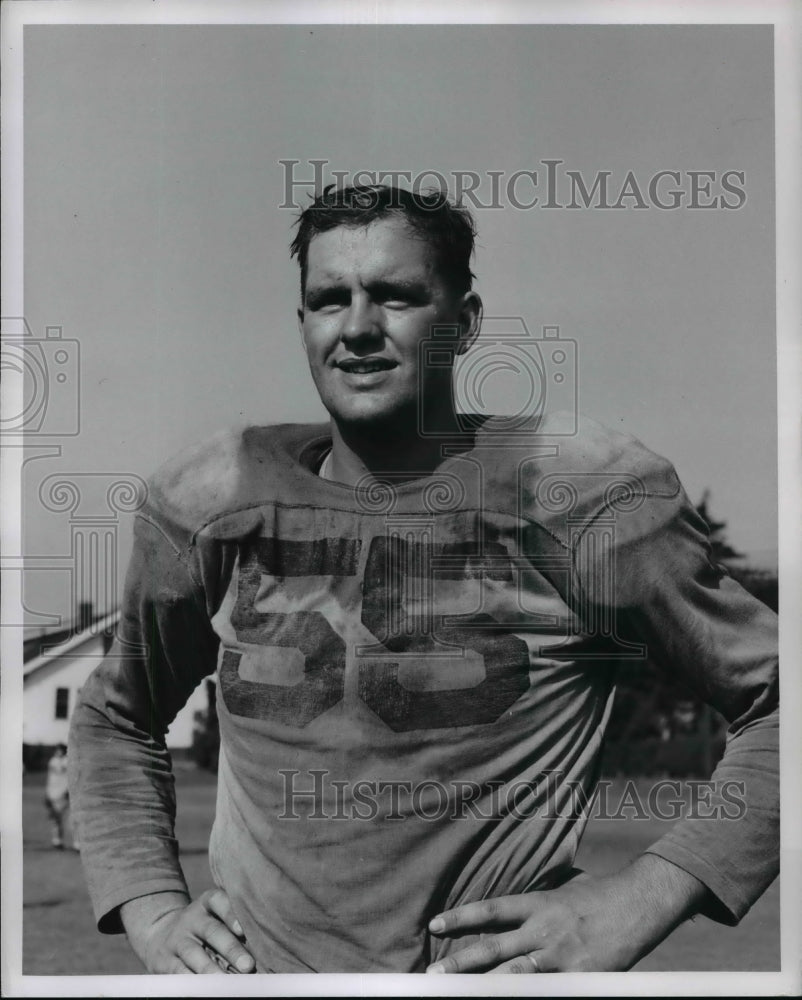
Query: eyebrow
x=389 y=285
x=381 y=288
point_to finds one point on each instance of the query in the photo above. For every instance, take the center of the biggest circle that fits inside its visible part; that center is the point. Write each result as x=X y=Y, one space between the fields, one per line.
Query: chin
x=370 y=415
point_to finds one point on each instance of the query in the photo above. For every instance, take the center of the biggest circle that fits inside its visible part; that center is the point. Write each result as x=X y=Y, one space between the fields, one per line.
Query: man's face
x=372 y=295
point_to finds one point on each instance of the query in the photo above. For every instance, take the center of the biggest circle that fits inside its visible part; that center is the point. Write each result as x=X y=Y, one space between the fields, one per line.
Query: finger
x=216 y=901
x=223 y=964
x=196 y=959
x=504 y=911
x=171 y=965
x=527 y=964
x=488 y=952
x=222 y=942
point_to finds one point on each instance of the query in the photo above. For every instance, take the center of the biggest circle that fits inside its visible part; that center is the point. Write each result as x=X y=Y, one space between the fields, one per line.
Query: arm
x=172 y=934
x=702 y=627
x=588 y=925
x=121 y=778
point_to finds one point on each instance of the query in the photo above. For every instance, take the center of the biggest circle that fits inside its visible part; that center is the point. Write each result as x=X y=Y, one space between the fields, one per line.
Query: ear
x=299 y=312
x=470 y=320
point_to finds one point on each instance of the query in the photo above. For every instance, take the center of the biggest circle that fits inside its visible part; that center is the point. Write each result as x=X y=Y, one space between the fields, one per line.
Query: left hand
x=587 y=925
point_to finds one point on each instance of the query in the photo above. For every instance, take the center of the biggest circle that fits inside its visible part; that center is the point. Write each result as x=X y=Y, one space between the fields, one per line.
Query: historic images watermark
x=317 y=795
x=550 y=184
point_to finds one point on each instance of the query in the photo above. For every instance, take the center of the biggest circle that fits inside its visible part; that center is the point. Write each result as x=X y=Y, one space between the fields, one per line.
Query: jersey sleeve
x=662 y=588
x=121 y=779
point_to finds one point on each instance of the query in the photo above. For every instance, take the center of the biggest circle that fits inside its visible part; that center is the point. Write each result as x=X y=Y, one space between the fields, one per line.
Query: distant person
x=57 y=796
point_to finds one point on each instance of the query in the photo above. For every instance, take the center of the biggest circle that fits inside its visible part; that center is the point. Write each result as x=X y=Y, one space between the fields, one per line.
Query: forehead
x=383 y=249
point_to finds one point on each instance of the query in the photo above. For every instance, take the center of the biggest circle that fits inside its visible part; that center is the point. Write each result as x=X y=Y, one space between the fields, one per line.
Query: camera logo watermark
x=41 y=406
x=509 y=374
x=50 y=373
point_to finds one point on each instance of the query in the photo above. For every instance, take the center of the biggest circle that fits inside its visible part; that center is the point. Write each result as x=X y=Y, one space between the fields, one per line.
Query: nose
x=360 y=321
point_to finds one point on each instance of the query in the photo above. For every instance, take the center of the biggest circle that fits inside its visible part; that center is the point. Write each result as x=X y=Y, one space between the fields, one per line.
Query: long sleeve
x=704 y=629
x=121 y=779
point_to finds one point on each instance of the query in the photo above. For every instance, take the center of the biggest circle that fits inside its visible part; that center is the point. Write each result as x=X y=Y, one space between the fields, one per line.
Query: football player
x=414 y=616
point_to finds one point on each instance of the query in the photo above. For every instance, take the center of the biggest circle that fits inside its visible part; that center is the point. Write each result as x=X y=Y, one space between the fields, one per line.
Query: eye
x=327 y=300
x=393 y=297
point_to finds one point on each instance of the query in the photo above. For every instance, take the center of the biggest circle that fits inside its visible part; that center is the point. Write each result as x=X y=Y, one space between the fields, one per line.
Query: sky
x=155 y=237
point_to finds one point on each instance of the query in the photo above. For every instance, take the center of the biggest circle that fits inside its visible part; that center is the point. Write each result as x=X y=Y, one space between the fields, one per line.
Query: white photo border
x=785 y=16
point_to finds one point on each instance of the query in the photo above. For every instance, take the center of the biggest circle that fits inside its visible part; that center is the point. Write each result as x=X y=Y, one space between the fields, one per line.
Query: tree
x=723 y=552
x=658 y=725
x=761 y=583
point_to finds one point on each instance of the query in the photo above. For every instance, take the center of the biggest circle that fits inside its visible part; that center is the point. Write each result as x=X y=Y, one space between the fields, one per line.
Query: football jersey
x=414 y=679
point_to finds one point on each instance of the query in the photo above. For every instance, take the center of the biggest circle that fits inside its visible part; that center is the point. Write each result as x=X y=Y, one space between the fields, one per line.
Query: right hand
x=170 y=934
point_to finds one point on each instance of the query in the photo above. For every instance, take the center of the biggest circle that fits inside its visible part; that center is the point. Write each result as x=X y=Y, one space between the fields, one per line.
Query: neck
x=384 y=452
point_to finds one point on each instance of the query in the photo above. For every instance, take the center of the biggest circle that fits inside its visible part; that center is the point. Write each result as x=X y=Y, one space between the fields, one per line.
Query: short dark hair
x=449 y=228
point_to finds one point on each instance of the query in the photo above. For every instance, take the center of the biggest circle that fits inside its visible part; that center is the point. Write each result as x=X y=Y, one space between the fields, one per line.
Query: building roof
x=103 y=627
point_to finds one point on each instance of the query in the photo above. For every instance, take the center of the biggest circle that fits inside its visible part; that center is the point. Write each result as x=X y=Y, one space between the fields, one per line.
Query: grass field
x=59 y=936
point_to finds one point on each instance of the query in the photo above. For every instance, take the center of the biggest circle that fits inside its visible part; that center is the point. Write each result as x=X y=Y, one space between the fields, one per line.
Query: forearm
x=729 y=838
x=140 y=917
x=650 y=898
x=123 y=802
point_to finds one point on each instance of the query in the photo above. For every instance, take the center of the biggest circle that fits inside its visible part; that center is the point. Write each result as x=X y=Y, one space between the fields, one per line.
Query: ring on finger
x=534 y=961
x=218 y=959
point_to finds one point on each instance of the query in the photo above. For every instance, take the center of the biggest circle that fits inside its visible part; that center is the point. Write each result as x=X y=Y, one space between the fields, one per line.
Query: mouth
x=366 y=366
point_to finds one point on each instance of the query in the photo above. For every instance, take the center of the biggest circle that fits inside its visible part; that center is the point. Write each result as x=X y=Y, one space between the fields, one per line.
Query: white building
x=53 y=679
